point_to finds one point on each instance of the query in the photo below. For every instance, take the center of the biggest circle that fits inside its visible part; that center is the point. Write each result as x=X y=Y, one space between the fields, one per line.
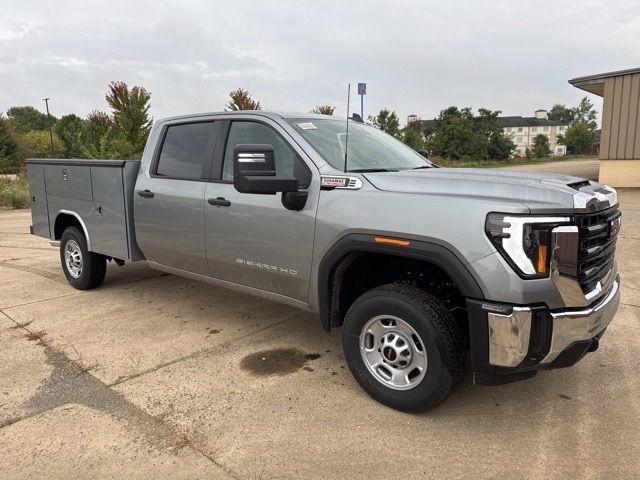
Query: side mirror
x=254 y=171
x=424 y=153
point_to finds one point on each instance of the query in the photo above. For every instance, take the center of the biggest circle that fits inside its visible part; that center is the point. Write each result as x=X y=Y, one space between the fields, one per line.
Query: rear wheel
x=84 y=269
x=403 y=347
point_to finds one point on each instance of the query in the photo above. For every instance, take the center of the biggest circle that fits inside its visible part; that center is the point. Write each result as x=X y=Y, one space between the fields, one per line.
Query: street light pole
x=46 y=102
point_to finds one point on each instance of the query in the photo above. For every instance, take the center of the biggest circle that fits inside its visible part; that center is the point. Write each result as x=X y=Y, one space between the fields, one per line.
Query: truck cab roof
x=276 y=115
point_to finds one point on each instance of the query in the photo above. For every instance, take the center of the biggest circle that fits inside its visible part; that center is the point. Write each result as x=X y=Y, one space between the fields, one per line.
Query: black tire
x=93 y=266
x=437 y=330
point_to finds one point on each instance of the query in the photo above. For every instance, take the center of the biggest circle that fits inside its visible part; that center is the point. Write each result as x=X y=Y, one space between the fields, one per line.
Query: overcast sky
x=416 y=56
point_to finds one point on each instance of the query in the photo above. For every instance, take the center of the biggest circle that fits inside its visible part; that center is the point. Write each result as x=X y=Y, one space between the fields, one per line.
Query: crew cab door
x=252 y=239
x=169 y=197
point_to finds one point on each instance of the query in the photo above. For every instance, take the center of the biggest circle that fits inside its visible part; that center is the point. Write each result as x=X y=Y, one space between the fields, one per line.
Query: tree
x=540 y=146
x=241 y=100
x=130 y=111
x=561 y=114
x=28 y=118
x=500 y=147
x=96 y=135
x=577 y=137
x=585 y=113
x=9 y=161
x=413 y=136
x=497 y=145
x=451 y=135
x=70 y=129
x=323 y=109
x=457 y=133
x=7 y=139
x=387 y=121
x=37 y=144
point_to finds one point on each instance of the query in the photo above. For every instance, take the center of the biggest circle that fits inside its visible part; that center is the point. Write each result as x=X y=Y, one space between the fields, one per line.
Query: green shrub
x=14 y=193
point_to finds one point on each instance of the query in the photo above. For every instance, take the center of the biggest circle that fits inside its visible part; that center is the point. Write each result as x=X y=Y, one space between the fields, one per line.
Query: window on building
x=518 y=139
x=519 y=129
x=545 y=129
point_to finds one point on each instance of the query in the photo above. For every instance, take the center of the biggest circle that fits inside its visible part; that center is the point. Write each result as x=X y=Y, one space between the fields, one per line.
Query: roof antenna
x=346 y=137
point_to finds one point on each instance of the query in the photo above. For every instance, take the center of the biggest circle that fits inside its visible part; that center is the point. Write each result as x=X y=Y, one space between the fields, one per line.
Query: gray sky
x=416 y=56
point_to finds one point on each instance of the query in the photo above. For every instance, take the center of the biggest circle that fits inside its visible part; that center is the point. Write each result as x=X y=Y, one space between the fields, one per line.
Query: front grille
x=596 y=246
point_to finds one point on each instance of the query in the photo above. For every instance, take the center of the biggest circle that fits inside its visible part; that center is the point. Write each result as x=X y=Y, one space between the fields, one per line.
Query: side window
x=287 y=162
x=186 y=150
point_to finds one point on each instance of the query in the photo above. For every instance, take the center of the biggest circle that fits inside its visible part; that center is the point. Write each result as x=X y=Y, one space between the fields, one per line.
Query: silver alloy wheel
x=73 y=258
x=393 y=352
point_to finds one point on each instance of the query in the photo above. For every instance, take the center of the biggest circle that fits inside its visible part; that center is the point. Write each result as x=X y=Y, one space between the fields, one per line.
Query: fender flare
x=431 y=252
x=82 y=224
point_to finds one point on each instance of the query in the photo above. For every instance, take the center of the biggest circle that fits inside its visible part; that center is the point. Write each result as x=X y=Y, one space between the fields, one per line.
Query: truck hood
x=536 y=191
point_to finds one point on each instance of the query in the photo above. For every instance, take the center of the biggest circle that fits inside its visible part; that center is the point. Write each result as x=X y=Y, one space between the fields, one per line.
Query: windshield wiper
x=422 y=166
x=372 y=170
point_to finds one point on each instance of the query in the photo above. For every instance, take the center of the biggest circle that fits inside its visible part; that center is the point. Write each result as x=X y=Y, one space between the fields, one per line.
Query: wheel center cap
x=389 y=354
x=396 y=350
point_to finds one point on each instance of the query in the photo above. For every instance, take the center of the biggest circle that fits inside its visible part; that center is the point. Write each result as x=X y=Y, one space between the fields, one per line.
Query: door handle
x=145 y=193
x=220 y=202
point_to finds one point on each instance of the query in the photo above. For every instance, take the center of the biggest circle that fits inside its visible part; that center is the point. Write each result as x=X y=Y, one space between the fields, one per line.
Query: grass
x=14 y=193
x=512 y=162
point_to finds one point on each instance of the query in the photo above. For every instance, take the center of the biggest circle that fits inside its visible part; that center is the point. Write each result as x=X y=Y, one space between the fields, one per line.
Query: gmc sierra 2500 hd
x=421 y=266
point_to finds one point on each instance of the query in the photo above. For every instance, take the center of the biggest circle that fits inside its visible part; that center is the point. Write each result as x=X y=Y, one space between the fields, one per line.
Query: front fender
x=434 y=253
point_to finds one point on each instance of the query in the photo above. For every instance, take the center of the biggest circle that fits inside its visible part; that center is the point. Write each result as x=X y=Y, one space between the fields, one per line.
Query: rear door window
x=187 y=151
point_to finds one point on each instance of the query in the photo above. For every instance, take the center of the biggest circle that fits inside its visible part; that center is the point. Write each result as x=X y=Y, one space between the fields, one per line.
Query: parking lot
x=155 y=376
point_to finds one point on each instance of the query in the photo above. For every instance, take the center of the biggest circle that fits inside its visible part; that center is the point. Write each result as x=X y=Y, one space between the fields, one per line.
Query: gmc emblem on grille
x=614 y=226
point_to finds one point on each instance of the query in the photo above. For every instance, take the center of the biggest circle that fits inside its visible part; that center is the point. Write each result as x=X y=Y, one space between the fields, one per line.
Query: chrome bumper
x=509 y=333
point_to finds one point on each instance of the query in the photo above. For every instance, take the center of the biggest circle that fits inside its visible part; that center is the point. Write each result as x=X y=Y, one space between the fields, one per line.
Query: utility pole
x=46 y=102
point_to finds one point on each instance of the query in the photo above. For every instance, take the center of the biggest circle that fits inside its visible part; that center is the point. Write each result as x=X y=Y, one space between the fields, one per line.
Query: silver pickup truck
x=423 y=267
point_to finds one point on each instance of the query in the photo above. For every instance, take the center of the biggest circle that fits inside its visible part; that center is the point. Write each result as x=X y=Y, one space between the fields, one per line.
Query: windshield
x=370 y=149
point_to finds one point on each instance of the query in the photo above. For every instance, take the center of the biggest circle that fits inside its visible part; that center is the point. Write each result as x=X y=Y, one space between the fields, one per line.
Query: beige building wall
x=620 y=140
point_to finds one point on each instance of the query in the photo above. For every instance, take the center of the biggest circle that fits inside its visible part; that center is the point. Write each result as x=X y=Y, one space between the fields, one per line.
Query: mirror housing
x=254 y=171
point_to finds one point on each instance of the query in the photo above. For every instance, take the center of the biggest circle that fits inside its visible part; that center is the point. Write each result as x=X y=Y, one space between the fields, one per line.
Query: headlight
x=524 y=241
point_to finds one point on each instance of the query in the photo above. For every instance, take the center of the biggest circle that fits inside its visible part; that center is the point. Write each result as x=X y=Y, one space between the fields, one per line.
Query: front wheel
x=403 y=347
x=84 y=269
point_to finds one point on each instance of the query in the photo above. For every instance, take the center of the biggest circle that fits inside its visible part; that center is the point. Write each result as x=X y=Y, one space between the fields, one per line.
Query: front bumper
x=513 y=342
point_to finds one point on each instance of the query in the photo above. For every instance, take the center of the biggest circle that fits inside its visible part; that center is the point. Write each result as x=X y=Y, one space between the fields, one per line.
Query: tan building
x=620 y=137
x=523 y=130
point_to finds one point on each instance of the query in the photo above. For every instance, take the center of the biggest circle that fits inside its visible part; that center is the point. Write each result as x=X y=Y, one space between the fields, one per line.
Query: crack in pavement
x=629 y=305
x=82 y=292
x=200 y=353
x=22 y=247
x=72 y=294
x=70 y=383
x=36 y=271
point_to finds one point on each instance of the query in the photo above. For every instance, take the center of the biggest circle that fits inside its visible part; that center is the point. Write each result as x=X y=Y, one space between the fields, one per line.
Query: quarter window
x=287 y=162
x=186 y=150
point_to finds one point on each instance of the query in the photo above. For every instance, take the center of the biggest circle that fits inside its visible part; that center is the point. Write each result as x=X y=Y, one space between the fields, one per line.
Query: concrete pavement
x=156 y=376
